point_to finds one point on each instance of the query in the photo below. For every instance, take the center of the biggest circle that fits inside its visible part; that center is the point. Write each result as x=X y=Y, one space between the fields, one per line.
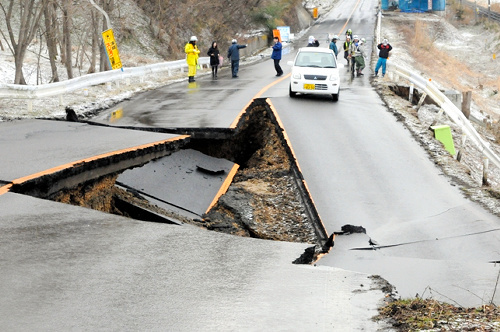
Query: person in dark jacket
x=214 y=54
x=383 y=55
x=276 y=56
x=233 y=53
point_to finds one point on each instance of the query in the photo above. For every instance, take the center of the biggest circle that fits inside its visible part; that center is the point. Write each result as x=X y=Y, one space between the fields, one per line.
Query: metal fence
x=31 y=92
x=455 y=114
x=482 y=11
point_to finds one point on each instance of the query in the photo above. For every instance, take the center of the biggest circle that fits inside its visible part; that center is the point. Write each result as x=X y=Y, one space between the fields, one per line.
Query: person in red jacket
x=383 y=55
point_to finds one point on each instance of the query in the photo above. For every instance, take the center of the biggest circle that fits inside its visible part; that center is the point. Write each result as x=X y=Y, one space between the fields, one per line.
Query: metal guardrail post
x=460 y=152
x=421 y=101
x=485 y=171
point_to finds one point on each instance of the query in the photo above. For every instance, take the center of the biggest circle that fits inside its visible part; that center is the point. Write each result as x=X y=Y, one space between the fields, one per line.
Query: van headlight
x=296 y=76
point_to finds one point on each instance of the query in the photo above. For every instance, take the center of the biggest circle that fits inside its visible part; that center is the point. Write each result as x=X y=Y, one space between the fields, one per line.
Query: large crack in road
x=266 y=199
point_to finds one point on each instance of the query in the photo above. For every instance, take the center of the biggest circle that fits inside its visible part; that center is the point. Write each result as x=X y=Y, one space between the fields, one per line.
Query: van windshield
x=316 y=59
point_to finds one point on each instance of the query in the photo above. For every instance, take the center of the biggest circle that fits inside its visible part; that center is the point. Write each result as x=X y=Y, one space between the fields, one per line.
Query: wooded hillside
x=69 y=31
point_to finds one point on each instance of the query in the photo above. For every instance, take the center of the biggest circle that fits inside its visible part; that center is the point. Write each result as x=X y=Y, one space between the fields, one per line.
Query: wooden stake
x=466 y=101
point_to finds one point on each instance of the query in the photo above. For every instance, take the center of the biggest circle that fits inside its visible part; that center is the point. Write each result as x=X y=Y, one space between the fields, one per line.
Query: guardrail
x=451 y=110
x=483 y=11
x=30 y=92
x=446 y=105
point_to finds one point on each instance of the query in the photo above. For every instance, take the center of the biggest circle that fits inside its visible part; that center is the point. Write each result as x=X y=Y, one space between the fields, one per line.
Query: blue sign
x=284 y=33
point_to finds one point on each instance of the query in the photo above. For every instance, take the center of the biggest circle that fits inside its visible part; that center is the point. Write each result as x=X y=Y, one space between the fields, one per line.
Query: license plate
x=308 y=86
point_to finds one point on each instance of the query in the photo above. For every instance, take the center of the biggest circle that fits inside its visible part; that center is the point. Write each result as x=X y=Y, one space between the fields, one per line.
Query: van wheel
x=335 y=96
x=290 y=92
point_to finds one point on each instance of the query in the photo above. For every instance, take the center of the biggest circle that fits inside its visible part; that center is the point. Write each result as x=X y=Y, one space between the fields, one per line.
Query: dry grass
x=443 y=66
x=419 y=314
x=460 y=14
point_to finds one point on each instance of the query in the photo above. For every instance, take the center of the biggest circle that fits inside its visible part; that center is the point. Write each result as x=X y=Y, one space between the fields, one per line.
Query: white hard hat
x=355 y=37
x=335 y=37
x=363 y=40
x=385 y=41
x=234 y=41
x=193 y=38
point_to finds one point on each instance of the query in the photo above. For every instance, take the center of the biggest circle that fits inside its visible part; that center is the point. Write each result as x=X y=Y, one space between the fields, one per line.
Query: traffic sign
x=111 y=49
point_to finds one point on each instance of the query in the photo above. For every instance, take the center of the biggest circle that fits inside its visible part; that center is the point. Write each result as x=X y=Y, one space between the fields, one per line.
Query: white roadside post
x=421 y=101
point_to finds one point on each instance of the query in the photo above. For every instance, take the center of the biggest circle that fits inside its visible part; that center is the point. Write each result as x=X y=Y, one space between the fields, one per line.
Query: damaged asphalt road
x=364 y=168
x=67 y=265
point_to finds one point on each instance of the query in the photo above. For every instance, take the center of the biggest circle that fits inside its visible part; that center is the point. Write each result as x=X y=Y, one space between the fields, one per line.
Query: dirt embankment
x=264 y=200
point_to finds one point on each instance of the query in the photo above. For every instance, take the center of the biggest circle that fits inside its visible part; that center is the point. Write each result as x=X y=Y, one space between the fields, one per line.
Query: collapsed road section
x=243 y=181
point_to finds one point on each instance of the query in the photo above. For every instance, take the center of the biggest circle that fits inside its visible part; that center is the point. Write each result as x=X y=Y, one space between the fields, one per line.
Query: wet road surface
x=364 y=168
x=69 y=268
x=66 y=267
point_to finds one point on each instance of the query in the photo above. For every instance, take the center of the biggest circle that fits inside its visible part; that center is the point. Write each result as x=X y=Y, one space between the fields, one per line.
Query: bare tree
x=30 y=13
x=95 y=40
x=50 y=36
x=67 y=12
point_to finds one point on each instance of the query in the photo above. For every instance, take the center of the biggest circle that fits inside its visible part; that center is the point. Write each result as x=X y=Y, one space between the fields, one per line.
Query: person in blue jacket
x=333 y=45
x=233 y=53
x=276 y=56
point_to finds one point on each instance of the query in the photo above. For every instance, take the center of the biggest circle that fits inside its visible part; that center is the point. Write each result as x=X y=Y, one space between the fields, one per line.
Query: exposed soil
x=264 y=200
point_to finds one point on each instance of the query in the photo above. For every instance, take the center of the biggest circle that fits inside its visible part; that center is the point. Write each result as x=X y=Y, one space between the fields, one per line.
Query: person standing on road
x=383 y=55
x=347 y=48
x=276 y=56
x=349 y=33
x=213 y=53
x=192 y=53
x=313 y=42
x=233 y=53
x=333 y=45
x=360 y=59
x=357 y=54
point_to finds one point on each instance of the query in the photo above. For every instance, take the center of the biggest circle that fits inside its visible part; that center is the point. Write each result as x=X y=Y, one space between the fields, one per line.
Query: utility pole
x=489 y=10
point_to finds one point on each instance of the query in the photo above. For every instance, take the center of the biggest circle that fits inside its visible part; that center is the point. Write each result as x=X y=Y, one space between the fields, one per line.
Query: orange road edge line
x=349 y=18
x=5 y=189
x=260 y=93
x=225 y=186
x=52 y=170
x=273 y=109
